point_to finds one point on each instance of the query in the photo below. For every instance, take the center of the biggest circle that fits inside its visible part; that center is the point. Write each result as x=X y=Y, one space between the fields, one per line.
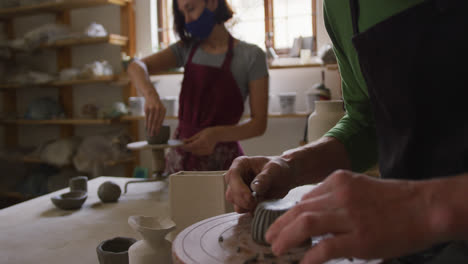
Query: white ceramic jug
x=153 y=248
x=326 y=115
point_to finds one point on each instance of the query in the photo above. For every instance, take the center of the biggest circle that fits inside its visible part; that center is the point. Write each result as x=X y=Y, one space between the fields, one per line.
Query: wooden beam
x=10 y=100
x=269 y=24
x=314 y=23
x=64 y=61
x=128 y=28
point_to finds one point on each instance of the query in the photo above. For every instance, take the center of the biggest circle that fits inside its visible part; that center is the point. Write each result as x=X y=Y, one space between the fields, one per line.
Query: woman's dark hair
x=222 y=14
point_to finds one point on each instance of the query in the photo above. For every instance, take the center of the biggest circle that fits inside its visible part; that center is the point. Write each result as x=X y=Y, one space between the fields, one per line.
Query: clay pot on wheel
x=161 y=138
x=265 y=214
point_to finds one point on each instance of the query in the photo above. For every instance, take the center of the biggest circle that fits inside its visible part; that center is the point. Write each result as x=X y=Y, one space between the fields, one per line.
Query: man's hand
x=368 y=218
x=269 y=177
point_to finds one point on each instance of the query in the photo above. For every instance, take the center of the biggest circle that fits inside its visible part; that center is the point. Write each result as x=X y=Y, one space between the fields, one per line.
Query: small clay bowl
x=70 y=200
x=161 y=138
x=114 y=251
x=265 y=214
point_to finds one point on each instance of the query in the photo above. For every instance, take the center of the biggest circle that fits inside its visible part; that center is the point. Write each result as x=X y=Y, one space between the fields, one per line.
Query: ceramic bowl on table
x=70 y=200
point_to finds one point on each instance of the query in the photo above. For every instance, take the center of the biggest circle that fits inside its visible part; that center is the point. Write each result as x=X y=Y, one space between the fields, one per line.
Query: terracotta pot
x=114 y=251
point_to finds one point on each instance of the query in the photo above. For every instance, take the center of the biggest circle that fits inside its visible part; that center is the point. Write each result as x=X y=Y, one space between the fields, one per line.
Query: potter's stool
x=158 y=158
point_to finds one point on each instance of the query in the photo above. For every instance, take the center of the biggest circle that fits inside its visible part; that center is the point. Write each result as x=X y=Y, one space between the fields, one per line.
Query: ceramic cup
x=115 y=250
x=161 y=138
x=79 y=184
x=287 y=103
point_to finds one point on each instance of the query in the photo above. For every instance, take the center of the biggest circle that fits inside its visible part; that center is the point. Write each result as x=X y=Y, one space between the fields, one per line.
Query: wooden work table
x=36 y=231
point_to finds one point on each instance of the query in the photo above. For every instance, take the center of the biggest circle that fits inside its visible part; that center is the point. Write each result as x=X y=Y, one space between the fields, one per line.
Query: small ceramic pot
x=109 y=192
x=114 y=251
x=265 y=214
x=161 y=138
x=154 y=248
x=79 y=183
x=70 y=201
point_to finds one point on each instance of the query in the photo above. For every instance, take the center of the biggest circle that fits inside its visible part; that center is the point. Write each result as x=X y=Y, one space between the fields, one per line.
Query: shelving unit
x=114 y=79
x=61 y=9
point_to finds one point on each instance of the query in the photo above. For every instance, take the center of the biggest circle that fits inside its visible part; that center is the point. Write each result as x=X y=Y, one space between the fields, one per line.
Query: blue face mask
x=202 y=27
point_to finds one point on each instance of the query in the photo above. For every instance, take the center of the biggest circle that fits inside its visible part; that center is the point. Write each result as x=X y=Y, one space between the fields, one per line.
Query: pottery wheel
x=227 y=239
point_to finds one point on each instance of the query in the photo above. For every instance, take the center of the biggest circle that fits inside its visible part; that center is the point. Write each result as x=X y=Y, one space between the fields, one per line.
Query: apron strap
x=227 y=60
x=354 y=5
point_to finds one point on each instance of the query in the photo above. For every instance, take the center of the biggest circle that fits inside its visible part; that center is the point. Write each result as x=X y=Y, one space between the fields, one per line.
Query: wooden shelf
x=272 y=115
x=37 y=160
x=111 y=39
x=75 y=122
x=55 y=6
x=118 y=80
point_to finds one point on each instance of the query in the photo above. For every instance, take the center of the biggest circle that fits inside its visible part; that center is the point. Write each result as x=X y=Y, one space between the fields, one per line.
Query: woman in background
x=220 y=72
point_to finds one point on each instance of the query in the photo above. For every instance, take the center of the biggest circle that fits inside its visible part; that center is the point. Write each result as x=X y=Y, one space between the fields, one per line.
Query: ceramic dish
x=70 y=201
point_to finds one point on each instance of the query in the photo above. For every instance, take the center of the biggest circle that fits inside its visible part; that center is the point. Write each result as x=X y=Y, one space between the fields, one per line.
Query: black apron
x=415 y=67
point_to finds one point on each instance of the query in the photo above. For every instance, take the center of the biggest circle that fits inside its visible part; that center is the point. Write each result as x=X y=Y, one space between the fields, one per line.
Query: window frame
x=163 y=23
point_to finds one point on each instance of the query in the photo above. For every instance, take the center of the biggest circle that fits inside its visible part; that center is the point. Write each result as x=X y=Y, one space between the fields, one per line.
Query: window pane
x=292 y=18
x=248 y=23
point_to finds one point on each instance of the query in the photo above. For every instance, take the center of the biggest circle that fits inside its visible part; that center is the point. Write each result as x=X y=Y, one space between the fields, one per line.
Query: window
x=276 y=23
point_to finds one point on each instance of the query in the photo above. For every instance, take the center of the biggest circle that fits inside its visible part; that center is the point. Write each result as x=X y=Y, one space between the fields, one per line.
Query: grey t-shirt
x=248 y=62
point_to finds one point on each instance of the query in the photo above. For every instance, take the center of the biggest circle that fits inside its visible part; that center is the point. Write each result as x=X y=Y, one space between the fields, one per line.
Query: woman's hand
x=203 y=143
x=368 y=218
x=155 y=113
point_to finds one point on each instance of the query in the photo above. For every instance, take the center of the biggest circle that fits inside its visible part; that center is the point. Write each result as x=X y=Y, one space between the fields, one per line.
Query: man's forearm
x=447 y=206
x=315 y=161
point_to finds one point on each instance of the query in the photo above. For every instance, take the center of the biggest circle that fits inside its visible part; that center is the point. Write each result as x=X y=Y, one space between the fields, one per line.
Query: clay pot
x=114 y=251
x=265 y=214
x=70 y=201
x=109 y=192
x=154 y=248
x=161 y=138
x=79 y=183
x=326 y=115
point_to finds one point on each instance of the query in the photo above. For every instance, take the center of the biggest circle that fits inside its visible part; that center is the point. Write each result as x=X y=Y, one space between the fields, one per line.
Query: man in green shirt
x=396 y=57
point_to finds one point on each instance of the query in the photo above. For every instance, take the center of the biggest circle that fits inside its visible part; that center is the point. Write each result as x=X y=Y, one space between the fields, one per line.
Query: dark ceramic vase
x=161 y=138
x=115 y=250
x=265 y=214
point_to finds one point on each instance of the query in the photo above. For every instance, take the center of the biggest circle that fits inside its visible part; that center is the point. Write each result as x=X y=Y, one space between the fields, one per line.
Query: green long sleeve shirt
x=356 y=130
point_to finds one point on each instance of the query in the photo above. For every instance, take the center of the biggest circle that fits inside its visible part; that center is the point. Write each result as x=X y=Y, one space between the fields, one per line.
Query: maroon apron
x=209 y=97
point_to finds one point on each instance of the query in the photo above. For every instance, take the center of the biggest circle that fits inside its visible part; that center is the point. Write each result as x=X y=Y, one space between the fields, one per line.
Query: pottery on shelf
x=327 y=113
x=161 y=138
x=79 y=183
x=153 y=248
x=70 y=201
x=265 y=214
x=115 y=250
x=109 y=192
